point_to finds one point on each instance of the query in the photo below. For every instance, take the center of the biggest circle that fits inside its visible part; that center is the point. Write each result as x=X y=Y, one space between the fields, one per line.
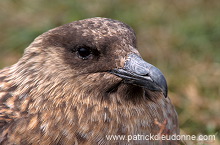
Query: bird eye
x=84 y=52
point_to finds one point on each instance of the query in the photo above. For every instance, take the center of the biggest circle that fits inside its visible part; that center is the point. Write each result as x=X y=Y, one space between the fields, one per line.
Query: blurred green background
x=182 y=38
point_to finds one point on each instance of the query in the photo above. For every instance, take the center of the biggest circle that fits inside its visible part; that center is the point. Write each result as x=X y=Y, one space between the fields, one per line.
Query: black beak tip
x=159 y=79
x=165 y=92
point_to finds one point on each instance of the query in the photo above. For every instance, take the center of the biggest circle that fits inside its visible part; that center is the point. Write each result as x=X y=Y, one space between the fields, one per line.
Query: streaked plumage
x=72 y=87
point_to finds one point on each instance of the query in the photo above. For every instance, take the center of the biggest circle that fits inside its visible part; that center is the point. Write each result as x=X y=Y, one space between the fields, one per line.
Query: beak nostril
x=146 y=75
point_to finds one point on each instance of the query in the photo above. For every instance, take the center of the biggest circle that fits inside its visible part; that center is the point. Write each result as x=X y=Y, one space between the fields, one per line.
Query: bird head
x=93 y=57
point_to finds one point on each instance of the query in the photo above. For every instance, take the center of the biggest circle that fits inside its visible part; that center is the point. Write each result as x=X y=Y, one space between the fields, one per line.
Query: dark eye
x=84 y=52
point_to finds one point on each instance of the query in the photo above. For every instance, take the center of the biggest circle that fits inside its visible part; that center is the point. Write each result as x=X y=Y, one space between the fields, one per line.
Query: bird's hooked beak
x=138 y=72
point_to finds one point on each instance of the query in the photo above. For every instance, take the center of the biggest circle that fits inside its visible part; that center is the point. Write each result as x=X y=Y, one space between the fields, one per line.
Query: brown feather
x=51 y=96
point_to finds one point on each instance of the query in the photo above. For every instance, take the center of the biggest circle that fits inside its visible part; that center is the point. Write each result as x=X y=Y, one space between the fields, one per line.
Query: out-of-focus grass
x=179 y=37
